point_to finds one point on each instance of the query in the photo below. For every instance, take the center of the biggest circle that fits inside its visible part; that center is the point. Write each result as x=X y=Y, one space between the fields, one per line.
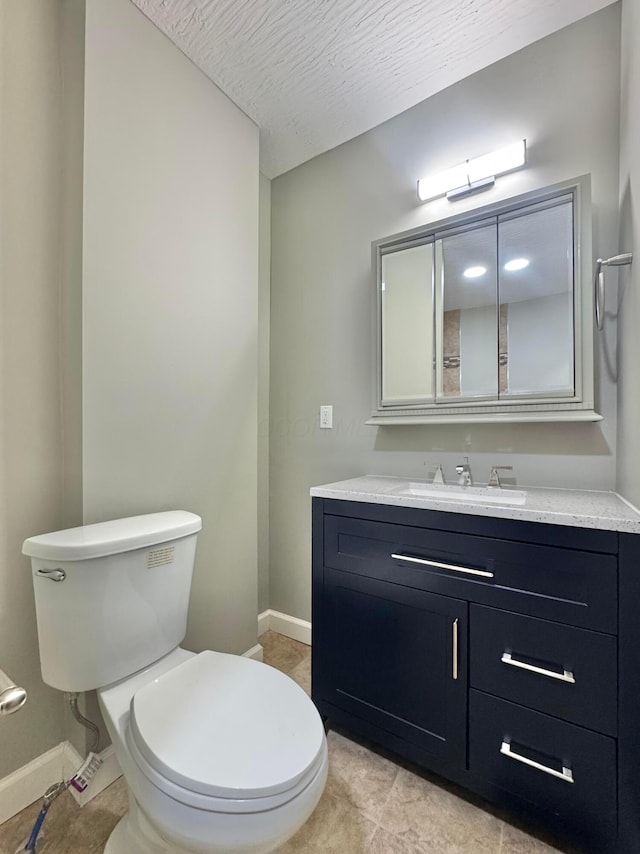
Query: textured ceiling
x=315 y=73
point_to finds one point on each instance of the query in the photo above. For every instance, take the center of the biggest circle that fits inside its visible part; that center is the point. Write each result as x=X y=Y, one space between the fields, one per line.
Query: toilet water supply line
x=80 y=779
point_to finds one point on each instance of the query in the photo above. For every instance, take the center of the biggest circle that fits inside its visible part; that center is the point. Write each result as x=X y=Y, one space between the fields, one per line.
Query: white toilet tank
x=112 y=597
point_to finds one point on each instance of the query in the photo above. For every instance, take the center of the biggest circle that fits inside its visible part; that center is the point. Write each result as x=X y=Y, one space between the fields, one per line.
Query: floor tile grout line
x=499 y=851
x=388 y=798
x=295 y=666
x=379 y=824
x=377 y=821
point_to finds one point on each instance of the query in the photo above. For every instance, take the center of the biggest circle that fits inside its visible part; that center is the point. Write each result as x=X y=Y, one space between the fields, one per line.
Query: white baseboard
x=292 y=627
x=255 y=652
x=29 y=783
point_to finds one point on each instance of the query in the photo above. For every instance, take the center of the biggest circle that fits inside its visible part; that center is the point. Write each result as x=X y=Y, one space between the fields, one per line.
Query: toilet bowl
x=221 y=753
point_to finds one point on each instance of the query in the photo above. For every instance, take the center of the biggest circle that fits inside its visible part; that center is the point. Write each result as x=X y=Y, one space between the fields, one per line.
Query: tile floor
x=371 y=805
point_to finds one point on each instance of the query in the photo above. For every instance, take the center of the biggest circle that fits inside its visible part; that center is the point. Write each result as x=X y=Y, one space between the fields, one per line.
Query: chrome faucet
x=438 y=476
x=464 y=473
x=494 y=480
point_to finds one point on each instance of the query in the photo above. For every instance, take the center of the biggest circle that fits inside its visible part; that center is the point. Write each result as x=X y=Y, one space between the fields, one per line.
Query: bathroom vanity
x=495 y=644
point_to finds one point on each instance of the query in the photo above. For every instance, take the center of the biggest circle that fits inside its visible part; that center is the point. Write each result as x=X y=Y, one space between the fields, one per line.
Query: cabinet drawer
x=564 y=585
x=567 y=672
x=562 y=769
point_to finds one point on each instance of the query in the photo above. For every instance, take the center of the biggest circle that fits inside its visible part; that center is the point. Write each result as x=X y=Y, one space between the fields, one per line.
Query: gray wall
x=628 y=289
x=170 y=308
x=71 y=164
x=325 y=214
x=264 y=295
x=41 y=74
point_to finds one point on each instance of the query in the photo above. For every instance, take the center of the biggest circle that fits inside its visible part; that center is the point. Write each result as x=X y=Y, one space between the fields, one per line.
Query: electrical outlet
x=326 y=417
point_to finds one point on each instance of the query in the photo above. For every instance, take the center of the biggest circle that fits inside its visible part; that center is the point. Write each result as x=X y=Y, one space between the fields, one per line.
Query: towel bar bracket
x=615 y=261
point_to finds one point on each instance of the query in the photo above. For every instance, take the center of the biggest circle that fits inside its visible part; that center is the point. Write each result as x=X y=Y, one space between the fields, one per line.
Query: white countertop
x=605 y=511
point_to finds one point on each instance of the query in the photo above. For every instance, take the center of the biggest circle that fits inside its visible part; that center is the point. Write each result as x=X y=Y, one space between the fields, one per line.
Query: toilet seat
x=225 y=732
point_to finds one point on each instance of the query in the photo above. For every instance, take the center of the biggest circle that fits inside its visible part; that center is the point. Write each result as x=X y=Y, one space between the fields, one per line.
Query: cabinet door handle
x=452 y=566
x=566 y=774
x=454 y=672
x=565 y=676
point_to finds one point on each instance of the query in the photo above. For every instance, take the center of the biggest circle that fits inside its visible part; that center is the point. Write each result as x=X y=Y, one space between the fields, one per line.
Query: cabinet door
x=397 y=658
x=467 y=315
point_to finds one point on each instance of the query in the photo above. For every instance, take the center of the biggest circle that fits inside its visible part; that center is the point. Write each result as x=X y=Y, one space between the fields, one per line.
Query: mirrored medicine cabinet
x=487 y=316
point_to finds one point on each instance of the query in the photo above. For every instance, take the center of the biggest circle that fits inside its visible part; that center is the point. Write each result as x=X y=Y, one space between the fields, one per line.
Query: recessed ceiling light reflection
x=516 y=264
x=474 y=272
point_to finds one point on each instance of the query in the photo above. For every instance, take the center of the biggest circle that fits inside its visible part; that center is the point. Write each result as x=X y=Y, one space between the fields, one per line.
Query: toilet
x=221 y=753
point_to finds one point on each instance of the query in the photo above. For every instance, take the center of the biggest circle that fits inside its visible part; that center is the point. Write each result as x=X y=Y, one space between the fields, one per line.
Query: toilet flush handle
x=52 y=574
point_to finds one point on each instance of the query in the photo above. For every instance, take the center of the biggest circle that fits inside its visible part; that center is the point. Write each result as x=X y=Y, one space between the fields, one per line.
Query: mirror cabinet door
x=536 y=264
x=467 y=315
x=407 y=324
x=486 y=315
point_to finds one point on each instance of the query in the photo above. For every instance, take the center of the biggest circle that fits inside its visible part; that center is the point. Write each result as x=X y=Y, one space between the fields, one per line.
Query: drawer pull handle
x=565 y=676
x=566 y=774
x=455 y=649
x=451 y=566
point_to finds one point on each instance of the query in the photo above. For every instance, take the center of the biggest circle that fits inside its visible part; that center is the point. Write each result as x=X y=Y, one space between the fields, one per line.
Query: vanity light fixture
x=473 y=175
x=474 y=272
x=516 y=264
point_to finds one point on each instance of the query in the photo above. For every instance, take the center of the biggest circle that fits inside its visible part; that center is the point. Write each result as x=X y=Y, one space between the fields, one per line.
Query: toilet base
x=133 y=834
x=122 y=841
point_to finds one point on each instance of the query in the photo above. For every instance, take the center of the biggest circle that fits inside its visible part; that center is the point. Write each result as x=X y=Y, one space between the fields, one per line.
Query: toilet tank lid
x=118 y=535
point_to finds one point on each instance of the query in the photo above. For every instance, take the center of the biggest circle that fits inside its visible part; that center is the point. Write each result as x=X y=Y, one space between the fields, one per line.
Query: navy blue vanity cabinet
x=503 y=655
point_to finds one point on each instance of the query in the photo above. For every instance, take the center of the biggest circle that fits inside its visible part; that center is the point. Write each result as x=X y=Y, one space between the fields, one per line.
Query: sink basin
x=463 y=494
